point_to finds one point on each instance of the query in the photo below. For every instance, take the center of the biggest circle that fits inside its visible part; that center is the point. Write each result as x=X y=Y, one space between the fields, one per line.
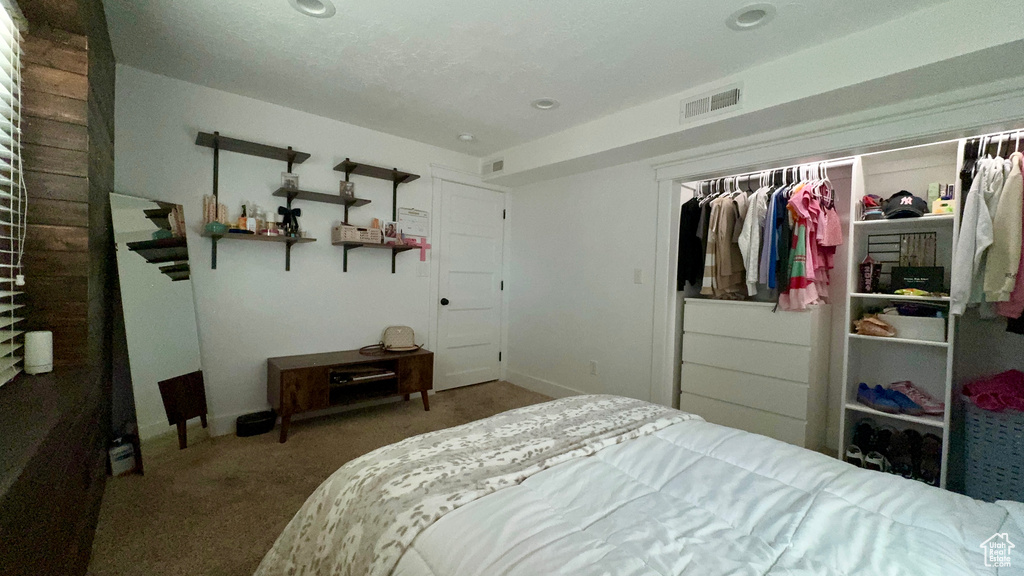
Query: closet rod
x=1000 y=136
x=837 y=163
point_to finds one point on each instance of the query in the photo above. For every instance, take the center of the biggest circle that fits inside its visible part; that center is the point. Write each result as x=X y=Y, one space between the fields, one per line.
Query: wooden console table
x=317 y=381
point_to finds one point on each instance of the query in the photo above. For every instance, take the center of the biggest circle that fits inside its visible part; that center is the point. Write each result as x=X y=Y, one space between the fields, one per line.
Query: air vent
x=494 y=166
x=710 y=103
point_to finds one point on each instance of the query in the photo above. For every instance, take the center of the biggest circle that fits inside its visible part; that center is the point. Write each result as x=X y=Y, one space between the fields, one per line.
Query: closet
x=794 y=375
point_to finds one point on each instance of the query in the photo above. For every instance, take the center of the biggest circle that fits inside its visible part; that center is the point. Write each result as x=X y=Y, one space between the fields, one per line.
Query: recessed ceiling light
x=751 y=16
x=314 y=8
x=545 y=104
x=467 y=137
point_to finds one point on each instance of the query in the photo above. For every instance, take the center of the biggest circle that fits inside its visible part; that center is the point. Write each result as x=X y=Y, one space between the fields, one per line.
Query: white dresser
x=765 y=372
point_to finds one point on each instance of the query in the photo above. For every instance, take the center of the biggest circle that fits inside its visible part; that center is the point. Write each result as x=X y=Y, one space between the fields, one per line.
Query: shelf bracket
x=344 y=265
x=393 y=254
x=394 y=198
x=288 y=256
x=216 y=194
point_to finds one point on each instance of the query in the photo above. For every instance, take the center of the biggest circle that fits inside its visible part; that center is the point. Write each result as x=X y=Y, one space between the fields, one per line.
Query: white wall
x=572 y=298
x=250 y=309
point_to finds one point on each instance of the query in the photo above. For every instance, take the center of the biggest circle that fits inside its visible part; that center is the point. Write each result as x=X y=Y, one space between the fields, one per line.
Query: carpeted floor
x=216 y=507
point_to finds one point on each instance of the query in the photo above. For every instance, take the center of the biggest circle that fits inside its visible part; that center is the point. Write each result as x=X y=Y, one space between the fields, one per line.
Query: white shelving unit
x=876 y=360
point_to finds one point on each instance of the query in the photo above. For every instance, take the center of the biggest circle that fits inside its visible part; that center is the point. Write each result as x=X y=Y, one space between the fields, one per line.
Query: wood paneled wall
x=55 y=141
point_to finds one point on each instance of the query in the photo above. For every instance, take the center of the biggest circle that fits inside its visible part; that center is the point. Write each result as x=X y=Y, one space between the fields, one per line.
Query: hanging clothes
x=1004 y=254
x=750 y=237
x=1013 y=307
x=967 y=276
x=784 y=229
x=690 y=262
x=709 y=285
x=728 y=259
x=766 y=267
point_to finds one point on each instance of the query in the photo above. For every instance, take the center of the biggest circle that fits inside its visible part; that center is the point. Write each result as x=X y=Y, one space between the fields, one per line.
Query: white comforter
x=701 y=499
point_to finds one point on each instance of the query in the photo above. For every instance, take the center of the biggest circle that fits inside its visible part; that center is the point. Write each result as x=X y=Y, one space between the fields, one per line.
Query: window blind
x=13 y=200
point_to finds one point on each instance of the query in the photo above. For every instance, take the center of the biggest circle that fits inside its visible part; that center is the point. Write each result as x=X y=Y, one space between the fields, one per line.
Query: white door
x=469 y=286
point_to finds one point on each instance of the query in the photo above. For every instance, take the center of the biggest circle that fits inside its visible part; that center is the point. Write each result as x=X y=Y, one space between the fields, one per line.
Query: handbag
x=398 y=339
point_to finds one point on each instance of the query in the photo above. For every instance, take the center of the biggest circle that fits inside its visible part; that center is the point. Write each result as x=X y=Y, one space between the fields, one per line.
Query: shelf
x=159 y=216
x=288 y=241
x=900 y=298
x=364 y=380
x=259 y=238
x=390 y=174
x=251 y=148
x=162 y=250
x=906 y=223
x=351 y=245
x=933 y=421
x=293 y=194
x=900 y=340
x=176 y=272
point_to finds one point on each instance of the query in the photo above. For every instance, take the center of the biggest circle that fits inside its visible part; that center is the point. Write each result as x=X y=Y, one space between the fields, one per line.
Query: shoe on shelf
x=905 y=453
x=931 y=459
x=877 y=461
x=871 y=398
x=877 y=455
x=906 y=405
x=929 y=405
x=855 y=456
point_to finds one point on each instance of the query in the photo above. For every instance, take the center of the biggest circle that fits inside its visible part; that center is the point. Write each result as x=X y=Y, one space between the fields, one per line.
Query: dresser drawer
x=782 y=397
x=782 y=361
x=750 y=320
x=775 y=426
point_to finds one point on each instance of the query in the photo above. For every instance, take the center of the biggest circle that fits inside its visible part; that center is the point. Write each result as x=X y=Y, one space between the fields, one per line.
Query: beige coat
x=1005 y=253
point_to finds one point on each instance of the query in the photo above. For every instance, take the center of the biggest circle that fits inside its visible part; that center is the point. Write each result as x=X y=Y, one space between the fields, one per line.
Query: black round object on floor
x=255 y=424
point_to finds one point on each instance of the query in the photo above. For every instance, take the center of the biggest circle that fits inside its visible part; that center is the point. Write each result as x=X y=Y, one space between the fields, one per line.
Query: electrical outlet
x=638 y=275
x=593 y=368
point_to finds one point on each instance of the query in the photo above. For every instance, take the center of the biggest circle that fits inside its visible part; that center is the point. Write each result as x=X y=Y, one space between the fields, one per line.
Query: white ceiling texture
x=432 y=70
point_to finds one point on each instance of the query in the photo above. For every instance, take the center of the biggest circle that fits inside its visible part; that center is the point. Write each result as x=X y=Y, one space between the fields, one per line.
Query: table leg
x=426 y=403
x=182 y=437
x=286 y=420
x=405 y=397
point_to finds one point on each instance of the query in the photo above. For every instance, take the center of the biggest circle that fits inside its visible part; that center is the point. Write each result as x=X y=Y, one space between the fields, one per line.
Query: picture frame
x=390 y=232
x=289 y=180
x=347 y=189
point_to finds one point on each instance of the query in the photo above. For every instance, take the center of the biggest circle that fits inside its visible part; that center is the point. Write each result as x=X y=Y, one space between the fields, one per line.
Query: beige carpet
x=216 y=507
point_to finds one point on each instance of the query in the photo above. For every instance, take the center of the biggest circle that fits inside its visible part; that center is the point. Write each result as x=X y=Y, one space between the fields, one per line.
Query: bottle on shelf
x=243 y=219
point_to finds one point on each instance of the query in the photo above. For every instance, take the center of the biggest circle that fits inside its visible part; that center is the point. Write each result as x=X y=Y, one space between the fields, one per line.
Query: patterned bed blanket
x=363 y=518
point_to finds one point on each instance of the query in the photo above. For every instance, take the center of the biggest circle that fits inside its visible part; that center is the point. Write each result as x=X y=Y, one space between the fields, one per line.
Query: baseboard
x=541 y=386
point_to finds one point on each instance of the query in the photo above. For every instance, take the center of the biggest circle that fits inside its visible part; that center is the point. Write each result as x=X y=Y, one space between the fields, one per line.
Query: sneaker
x=906 y=405
x=871 y=398
x=905 y=453
x=929 y=405
x=855 y=456
x=877 y=458
x=931 y=459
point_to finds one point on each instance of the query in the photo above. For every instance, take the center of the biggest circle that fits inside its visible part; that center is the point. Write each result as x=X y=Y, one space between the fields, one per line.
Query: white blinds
x=12 y=190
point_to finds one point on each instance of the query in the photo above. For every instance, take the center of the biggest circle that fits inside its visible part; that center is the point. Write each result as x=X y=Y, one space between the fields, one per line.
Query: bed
x=602 y=485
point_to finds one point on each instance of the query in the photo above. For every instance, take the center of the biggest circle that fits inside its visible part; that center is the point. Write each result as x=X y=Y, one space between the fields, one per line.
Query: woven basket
x=353 y=234
x=994 y=446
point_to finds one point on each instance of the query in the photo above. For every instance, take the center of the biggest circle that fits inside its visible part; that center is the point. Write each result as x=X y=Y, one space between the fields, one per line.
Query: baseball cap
x=903 y=204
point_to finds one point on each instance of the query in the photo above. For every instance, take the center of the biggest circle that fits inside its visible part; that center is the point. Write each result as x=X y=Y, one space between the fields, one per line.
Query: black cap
x=903 y=204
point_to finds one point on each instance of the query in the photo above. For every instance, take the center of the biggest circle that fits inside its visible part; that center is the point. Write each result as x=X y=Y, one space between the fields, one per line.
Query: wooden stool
x=184 y=398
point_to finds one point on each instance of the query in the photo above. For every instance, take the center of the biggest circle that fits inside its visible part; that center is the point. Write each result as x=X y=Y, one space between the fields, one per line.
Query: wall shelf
x=907 y=223
x=218 y=142
x=393 y=175
x=288 y=155
x=162 y=250
x=352 y=245
x=288 y=241
x=935 y=421
x=294 y=194
x=176 y=272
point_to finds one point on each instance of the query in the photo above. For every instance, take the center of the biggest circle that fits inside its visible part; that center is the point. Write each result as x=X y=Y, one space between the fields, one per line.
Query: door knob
x=444 y=301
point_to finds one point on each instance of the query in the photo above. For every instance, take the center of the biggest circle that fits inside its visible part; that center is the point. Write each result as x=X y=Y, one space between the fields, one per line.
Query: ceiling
x=432 y=70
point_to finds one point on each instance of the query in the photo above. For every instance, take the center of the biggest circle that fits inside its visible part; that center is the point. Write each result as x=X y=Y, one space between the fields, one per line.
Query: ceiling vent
x=494 y=166
x=710 y=103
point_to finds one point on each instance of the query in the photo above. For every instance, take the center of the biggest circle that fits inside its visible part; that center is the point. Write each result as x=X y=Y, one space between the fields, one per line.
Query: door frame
x=441 y=174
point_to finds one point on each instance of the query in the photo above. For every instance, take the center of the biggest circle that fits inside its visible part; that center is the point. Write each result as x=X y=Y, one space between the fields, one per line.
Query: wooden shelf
x=288 y=241
x=937 y=299
x=293 y=194
x=162 y=250
x=351 y=245
x=934 y=421
x=251 y=148
x=259 y=238
x=896 y=340
x=390 y=174
x=176 y=272
x=159 y=216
